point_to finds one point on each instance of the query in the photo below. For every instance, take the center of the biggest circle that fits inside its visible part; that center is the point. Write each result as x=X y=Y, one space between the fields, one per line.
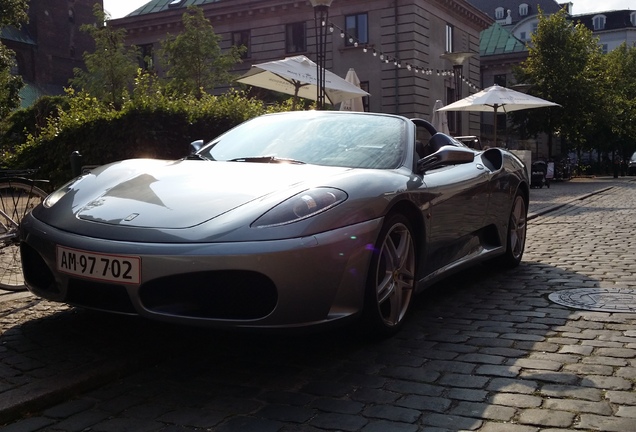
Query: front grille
x=36 y=273
x=230 y=294
x=101 y=296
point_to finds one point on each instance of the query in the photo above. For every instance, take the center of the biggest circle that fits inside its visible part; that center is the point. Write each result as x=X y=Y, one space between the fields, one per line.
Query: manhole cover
x=597 y=299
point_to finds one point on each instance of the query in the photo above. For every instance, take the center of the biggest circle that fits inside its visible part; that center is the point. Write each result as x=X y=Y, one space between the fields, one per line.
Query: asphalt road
x=486 y=350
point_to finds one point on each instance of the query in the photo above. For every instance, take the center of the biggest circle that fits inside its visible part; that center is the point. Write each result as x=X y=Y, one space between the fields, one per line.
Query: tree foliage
x=619 y=98
x=563 y=66
x=193 y=59
x=111 y=68
x=149 y=124
x=12 y=13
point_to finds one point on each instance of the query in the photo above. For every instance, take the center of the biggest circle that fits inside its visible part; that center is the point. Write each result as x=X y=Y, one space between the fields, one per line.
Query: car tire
x=516 y=233
x=391 y=277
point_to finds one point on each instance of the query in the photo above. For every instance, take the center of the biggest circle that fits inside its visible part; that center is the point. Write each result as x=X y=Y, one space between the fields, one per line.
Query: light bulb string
x=367 y=48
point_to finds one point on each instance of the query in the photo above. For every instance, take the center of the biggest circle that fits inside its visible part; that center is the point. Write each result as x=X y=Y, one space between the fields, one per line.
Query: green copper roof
x=497 y=40
x=16 y=35
x=163 y=5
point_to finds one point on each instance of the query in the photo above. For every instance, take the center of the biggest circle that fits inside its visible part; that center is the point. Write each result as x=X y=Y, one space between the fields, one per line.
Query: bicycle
x=18 y=196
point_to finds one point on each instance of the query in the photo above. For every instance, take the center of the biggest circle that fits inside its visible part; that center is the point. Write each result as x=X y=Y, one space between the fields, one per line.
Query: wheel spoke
x=396 y=274
x=517 y=227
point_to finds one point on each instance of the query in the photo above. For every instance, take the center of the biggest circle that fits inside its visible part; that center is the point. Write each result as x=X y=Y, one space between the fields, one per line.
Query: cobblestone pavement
x=485 y=351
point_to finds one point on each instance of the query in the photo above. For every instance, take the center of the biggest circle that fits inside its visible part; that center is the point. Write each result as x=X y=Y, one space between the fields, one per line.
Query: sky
x=120 y=8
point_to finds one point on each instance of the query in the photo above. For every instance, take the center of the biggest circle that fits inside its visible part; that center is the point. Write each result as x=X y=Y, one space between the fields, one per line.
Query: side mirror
x=195 y=146
x=447 y=155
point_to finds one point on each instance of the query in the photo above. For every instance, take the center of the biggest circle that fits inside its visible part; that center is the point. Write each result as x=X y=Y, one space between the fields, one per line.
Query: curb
x=555 y=207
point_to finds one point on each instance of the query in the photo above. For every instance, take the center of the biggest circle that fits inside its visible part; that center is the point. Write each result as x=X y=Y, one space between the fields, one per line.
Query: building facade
x=50 y=45
x=612 y=28
x=395 y=47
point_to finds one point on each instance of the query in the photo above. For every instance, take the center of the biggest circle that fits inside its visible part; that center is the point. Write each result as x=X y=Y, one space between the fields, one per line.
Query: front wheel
x=391 y=277
x=516 y=235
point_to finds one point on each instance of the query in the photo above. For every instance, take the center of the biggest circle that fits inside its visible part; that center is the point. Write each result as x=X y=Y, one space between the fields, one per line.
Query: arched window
x=499 y=13
x=523 y=9
x=632 y=18
x=599 y=22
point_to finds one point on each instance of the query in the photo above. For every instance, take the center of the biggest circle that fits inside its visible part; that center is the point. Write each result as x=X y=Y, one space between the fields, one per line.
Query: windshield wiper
x=266 y=159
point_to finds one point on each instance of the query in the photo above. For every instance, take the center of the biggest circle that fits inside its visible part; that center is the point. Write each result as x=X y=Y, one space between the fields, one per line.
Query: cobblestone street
x=486 y=350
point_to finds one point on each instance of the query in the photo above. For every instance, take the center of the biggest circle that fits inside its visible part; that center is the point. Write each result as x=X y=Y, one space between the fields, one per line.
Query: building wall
x=56 y=42
x=412 y=31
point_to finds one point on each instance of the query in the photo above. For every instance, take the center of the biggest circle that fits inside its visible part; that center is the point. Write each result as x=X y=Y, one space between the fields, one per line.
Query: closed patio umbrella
x=439 y=119
x=353 y=104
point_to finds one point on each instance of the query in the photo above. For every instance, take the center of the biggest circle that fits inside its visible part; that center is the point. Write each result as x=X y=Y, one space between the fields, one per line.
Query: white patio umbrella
x=495 y=98
x=297 y=76
x=439 y=120
x=353 y=104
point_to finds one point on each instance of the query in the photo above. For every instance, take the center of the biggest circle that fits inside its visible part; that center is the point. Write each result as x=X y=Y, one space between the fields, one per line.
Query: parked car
x=631 y=165
x=288 y=220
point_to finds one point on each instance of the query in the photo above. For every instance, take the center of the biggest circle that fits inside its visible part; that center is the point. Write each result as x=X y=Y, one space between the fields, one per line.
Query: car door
x=456 y=213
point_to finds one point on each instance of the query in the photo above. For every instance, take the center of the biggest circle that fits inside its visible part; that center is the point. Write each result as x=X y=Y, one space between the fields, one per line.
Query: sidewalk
x=560 y=193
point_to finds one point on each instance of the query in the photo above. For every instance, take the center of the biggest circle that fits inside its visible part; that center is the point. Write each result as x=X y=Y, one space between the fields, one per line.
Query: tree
x=111 y=69
x=12 y=13
x=619 y=89
x=193 y=59
x=563 y=66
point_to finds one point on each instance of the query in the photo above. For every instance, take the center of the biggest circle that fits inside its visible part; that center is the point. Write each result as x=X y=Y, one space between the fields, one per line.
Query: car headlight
x=59 y=193
x=302 y=206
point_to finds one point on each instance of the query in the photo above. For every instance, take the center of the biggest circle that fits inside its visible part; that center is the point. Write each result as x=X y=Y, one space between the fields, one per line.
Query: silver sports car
x=288 y=220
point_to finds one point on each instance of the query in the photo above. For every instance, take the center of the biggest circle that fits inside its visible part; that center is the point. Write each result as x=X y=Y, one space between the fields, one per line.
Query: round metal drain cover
x=597 y=299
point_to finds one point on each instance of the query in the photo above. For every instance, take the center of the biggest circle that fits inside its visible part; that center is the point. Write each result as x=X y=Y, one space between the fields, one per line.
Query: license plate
x=104 y=267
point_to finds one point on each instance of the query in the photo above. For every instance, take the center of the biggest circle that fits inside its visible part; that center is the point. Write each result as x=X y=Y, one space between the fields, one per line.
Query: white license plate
x=104 y=267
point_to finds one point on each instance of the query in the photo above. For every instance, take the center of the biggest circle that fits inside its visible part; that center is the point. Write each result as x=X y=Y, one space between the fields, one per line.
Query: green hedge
x=147 y=126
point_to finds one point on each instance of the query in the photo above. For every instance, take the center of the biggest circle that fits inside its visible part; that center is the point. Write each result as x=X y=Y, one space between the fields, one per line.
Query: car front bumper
x=284 y=283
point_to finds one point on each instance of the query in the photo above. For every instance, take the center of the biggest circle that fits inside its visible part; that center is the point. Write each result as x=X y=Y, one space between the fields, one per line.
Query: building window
x=523 y=36
x=71 y=16
x=242 y=39
x=449 y=39
x=632 y=18
x=499 y=13
x=364 y=85
x=356 y=27
x=523 y=9
x=146 y=60
x=501 y=123
x=500 y=80
x=599 y=22
x=604 y=48
x=296 y=37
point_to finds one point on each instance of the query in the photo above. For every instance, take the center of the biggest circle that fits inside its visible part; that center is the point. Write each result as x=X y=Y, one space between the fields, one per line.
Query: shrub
x=148 y=125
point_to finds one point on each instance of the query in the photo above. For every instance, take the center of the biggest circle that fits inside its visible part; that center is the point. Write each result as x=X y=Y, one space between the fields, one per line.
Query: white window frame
x=500 y=13
x=598 y=22
x=523 y=9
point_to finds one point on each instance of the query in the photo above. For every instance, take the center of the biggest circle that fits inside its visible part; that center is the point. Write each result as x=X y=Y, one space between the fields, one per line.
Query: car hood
x=187 y=193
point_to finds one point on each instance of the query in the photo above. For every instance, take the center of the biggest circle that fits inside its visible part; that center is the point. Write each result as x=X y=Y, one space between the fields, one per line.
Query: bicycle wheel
x=17 y=198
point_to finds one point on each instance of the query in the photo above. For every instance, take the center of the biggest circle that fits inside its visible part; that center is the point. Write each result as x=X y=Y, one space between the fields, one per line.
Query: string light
x=396 y=61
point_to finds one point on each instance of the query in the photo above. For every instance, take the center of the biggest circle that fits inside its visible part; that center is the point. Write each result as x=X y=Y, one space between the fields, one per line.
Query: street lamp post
x=457 y=59
x=321 y=16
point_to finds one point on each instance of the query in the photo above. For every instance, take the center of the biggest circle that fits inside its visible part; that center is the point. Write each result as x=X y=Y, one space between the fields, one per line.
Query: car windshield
x=313 y=137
